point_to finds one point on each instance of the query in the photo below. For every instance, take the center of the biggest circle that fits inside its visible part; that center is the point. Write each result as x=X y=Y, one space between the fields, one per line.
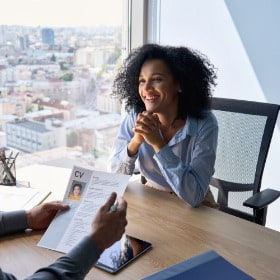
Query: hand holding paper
x=41 y=216
x=69 y=227
x=108 y=226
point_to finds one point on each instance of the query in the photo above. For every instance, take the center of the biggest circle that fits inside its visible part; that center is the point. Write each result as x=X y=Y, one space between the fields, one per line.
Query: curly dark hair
x=191 y=69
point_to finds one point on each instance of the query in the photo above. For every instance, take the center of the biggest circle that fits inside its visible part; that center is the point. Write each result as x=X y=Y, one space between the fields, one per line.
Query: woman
x=169 y=128
x=76 y=192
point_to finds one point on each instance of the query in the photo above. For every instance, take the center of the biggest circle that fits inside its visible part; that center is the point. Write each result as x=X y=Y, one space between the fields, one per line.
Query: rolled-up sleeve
x=121 y=162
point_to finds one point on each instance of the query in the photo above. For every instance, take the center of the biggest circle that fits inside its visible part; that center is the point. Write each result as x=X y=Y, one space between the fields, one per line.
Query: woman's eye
x=157 y=79
x=141 y=81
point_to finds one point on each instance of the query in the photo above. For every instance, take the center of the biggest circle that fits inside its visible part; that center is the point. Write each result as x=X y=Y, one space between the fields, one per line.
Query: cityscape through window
x=58 y=60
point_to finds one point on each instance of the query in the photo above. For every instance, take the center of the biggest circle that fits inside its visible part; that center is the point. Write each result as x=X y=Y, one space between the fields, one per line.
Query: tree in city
x=29 y=109
x=68 y=77
x=102 y=71
x=62 y=66
x=96 y=153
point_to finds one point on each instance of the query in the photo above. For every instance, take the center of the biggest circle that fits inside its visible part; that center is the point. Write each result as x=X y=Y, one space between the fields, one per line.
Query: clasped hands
x=147 y=128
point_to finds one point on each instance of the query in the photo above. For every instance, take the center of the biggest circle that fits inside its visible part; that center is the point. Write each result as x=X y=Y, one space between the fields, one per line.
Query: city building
x=2 y=34
x=6 y=75
x=72 y=91
x=3 y=75
x=3 y=91
x=3 y=61
x=5 y=119
x=102 y=130
x=15 y=105
x=85 y=56
x=57 y=107
x=2 y=139
x=43 y=115
x=47 y=36
x=26 y=72
x=30 y=136
x=107 y=104
x=23 y=42
x=93 y=56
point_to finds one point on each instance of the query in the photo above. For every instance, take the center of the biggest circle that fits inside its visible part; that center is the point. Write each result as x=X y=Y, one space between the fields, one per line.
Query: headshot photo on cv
x=76 y=190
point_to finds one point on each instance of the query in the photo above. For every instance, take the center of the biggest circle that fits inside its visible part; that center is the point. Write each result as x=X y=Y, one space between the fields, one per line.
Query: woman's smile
x=157 y=87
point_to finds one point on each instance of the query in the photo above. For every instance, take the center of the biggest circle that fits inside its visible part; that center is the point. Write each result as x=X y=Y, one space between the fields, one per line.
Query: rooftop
x=31 y=125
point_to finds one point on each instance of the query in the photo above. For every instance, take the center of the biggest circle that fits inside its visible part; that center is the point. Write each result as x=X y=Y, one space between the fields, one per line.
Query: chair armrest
x=262 y=199
x=136 y=171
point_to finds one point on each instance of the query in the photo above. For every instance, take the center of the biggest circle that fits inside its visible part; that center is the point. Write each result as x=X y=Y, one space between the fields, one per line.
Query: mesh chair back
x=245 y=132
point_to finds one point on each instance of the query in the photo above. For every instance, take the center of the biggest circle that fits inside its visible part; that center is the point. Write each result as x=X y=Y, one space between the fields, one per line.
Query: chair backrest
x=245 y=132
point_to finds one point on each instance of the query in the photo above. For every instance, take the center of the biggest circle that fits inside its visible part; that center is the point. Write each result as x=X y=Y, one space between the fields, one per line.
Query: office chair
x=245 y=132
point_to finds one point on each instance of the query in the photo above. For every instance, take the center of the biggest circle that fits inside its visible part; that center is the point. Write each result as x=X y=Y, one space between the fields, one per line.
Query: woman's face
x=157 y=87
x=77 y=191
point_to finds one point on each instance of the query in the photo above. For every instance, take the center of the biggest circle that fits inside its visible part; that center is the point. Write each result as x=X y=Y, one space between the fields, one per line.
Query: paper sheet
x=20 y=198
x=69 y=227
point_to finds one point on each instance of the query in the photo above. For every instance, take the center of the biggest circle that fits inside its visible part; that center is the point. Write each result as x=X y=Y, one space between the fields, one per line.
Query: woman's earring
x=179 y=91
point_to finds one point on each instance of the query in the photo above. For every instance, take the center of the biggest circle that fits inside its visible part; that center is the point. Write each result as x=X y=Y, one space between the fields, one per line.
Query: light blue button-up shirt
x=184 y=166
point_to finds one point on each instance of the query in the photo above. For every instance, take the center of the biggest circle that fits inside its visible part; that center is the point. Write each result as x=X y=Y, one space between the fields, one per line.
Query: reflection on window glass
x=57 y=63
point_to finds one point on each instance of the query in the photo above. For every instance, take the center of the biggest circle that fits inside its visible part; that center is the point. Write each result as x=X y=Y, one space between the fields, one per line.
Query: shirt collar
x=190 y=128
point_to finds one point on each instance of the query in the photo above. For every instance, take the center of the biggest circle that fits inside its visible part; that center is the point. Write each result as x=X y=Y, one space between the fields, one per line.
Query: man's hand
x=107 y=226
x=41 y=216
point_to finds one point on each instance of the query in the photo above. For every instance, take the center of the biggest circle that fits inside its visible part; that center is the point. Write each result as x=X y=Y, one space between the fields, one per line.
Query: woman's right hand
x=148 y=126
x=136 y=141
x=134 y=144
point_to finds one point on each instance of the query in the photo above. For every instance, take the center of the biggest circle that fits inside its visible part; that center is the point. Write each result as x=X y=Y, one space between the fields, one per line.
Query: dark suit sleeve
x=74 y=265
x=11 y=222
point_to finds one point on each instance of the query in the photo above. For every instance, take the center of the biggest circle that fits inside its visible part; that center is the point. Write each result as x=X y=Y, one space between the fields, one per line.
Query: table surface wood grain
x=176 y=231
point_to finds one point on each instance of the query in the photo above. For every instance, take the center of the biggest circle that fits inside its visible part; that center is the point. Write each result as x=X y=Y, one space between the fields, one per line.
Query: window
x=58 y=60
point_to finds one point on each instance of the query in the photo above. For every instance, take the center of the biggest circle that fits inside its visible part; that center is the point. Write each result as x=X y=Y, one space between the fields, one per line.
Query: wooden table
x=176 y=231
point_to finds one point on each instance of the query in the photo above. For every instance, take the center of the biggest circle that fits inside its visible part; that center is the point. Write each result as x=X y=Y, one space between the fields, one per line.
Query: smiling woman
x=170 y=129
x=157 y=87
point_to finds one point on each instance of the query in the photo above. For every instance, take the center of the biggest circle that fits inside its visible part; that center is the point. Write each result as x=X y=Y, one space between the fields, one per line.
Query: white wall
x=242 y=39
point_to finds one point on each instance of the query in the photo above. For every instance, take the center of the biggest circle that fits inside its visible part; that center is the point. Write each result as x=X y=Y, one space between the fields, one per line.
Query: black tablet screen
x=121 y=253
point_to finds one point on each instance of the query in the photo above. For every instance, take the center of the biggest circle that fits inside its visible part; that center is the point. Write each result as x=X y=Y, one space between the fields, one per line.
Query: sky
x=61 y=12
